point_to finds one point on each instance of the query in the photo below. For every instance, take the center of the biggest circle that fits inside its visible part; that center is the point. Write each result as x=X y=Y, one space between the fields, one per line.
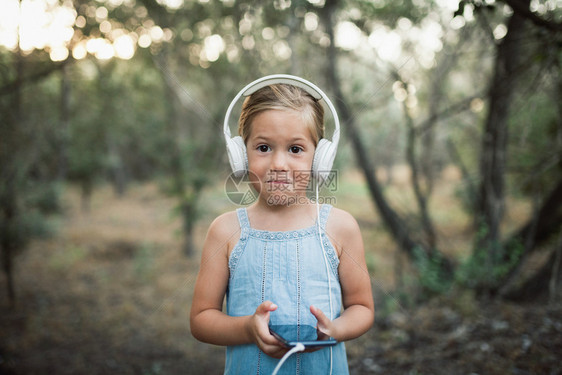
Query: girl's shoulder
x=225 y=228
x=226 y=218
x=341 y=220
x=342 y=228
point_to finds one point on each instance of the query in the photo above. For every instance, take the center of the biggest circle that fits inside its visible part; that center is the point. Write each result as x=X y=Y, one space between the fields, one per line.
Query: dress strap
x=242 y=242
x=327 y=245
x=244 y=221
x=324 y=213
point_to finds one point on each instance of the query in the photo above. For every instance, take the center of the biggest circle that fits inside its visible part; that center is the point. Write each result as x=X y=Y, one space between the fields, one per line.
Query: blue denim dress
x=288 y=269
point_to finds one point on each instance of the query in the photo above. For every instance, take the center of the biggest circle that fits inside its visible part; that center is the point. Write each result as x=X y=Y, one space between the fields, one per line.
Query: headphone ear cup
x=237 y=155
x=323 y=159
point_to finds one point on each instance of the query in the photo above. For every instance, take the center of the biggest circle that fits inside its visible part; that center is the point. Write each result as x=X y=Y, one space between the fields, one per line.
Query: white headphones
x=325 y=150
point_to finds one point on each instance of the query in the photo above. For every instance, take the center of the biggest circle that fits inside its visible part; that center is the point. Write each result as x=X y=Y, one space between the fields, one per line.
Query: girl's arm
x=359 y=310
x=208 y=322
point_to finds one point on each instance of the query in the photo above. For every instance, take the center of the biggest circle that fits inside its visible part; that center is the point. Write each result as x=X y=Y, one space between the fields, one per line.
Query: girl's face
x=280 y=153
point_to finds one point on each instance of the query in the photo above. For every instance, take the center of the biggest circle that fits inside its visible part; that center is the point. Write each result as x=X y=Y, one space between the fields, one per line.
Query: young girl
x=268 y=259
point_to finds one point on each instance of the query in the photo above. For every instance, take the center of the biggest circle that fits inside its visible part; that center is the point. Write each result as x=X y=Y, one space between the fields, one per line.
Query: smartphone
x=307 y=335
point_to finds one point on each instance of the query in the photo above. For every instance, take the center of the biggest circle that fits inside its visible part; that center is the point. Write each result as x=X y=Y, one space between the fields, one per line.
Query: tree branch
x=525 y=12
x=32 y=78
x=452 y=110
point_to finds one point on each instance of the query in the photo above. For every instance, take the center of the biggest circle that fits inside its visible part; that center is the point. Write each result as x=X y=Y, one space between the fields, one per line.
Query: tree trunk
x=390 y=217
x=9 y=174
x=62 y=131
x=466 y=178
x=535 y=232
x=491 y=193
x=180 y=179
x=188 y=216
x=542 y=282
x=7 y=244
x=393 y=222
x=117 y=169
x=422 y=197
x=556 y=271
x=548 y=220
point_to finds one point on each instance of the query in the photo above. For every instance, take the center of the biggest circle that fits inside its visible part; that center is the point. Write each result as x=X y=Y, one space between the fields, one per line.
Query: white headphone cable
x=298 y=348
x=325 y=263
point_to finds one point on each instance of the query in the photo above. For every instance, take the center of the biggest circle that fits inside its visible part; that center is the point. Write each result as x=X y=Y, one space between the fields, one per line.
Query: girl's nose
x=279 y=161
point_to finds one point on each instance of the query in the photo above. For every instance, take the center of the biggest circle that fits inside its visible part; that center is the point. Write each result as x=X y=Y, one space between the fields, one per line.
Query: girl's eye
x=263 y=148
x=295 y=149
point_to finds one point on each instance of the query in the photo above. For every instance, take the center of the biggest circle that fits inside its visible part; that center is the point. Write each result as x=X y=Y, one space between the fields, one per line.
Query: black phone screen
x=290 y=335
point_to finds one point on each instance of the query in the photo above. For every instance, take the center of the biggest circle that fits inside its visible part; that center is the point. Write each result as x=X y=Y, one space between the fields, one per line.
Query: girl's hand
x=259 y=331
x=325 y=326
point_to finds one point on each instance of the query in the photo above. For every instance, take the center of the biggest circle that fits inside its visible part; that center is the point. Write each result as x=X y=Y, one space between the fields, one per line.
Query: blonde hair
x=283 y=97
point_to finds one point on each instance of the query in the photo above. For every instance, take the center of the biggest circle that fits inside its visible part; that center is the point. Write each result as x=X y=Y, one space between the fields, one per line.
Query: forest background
x=112 y=166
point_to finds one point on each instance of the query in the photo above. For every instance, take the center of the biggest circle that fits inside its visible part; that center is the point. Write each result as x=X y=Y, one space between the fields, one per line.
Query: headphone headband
x=325 y=150
x=284 y=79
x=307 y=86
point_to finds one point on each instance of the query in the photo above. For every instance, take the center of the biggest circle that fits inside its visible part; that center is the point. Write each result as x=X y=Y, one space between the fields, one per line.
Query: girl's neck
x=264 y=216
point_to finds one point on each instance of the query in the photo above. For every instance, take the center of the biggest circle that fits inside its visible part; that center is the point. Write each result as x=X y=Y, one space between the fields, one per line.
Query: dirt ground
x=111 y=292
x=441 y=337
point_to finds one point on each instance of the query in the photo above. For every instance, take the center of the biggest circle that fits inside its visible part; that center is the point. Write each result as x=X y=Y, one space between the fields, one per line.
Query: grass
x=112 y=291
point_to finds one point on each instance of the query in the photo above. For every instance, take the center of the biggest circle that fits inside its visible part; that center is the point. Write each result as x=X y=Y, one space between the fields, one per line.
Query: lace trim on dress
x=330 y=251
x=246 y=230
x=241 y=244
